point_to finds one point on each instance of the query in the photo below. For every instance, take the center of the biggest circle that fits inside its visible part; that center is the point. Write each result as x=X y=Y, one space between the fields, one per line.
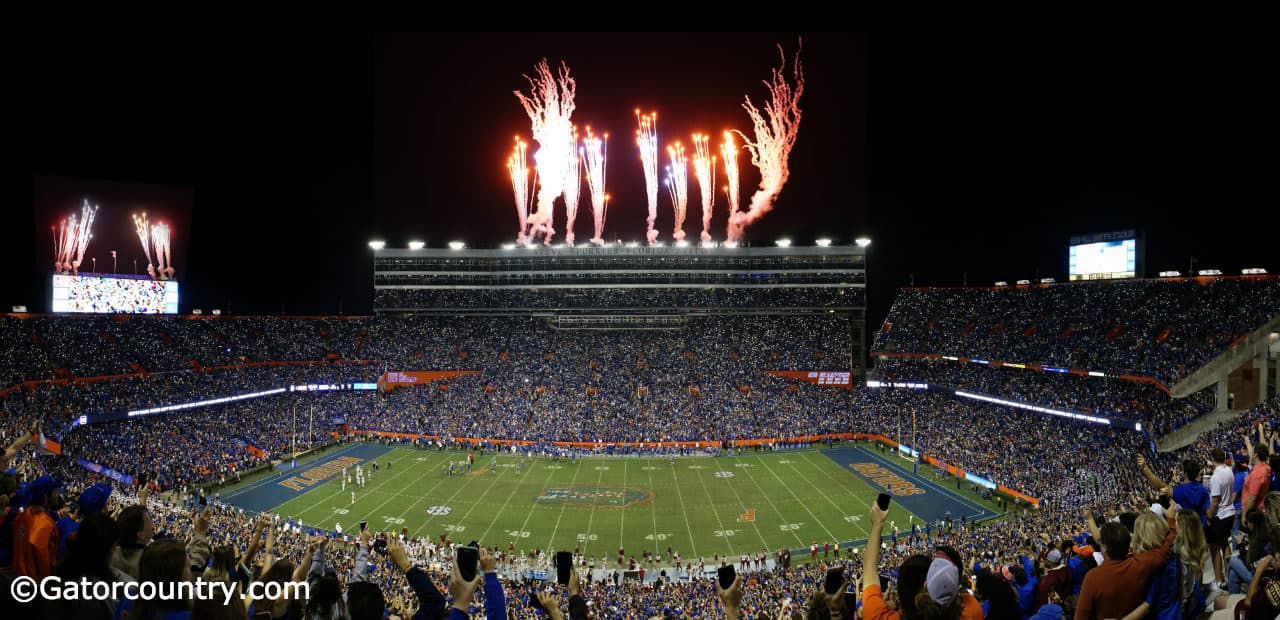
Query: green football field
x=697 y=506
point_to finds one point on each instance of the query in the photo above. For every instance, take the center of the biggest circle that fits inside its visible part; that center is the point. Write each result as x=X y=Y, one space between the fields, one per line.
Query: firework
x=143 y=229
x=60 y=245
x=729 y=151
x=774 y=139
x=678 y=187
x=704 y=169
x=647 y=140
x=572 y=189
x=519 y=172
x=160 y=242
x=593 y=161
x=71 y=239
x=549 y=106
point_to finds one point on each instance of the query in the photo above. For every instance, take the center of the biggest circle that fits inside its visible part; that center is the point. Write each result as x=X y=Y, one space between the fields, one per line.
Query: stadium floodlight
x=416 y=245
x=823 y=242
x=656 y=244
x=783 y=243
x=682 y=244
x=217 y=312
x=633 y=244
x=508 y=246
x=1171 y=274
x=708 y=244
x=197 y=311
x=1210 y=272
x=1047 y=280
x=457 y=245
x=19 y=309
x=1253 y=271
x=1022 y=282
x=730 y=244
x=863 y=241
x=377 y=245
x=558 y=246
x=1002 y=283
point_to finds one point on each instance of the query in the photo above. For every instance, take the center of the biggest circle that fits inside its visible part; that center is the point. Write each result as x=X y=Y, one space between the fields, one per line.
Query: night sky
x=958 y=156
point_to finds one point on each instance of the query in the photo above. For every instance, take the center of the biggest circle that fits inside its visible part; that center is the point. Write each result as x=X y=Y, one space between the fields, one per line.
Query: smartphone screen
x=564 y=564
x=883 y=501
x=727 y=575
x=835 y=577
x=884 y=583
x=364 y=525
x=467 y=558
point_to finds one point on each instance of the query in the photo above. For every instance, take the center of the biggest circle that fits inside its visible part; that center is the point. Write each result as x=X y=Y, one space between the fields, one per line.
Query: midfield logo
x=594 y=496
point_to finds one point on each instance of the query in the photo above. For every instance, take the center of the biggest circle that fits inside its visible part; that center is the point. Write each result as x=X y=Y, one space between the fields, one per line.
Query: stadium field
x=697 y=506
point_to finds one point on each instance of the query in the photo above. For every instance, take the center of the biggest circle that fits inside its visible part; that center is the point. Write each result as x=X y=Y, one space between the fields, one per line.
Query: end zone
x=291 y=482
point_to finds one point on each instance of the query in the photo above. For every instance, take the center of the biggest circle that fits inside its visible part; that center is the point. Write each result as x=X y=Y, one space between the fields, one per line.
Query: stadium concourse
x=70 y=383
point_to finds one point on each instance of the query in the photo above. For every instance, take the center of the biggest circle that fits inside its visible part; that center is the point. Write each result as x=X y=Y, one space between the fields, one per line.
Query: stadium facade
x=627 y=287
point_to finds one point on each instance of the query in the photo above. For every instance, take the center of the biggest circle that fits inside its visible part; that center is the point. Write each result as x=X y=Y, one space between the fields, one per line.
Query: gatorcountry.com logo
x=595 y=496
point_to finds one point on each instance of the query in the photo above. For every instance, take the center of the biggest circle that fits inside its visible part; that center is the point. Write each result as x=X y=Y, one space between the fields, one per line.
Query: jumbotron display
x=103 y=294
x=1104 y=256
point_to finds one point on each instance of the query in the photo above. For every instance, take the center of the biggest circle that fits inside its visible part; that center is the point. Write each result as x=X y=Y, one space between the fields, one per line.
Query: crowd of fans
x=1160 y=329
x=702 y=382
x=1117 y=398
x=37 y=347
x=1149 y=543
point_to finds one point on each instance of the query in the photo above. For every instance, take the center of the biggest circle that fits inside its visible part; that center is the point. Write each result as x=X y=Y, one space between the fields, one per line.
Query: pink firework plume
x=593 y=163
x=71 y=239
x=704 y=169
x=729 y=151
x=61 y=241
x=678 y=187
x=518 y=170
x=549 y=106
x=774 y=140
x=647 y=140
x=572 y=189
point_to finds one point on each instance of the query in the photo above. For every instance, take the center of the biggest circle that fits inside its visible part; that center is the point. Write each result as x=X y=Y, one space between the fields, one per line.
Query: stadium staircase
x=1242 y=352
x=1186 y=435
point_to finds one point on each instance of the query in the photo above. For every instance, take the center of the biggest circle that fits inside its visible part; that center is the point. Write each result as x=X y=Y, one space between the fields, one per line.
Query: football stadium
x=705 y=406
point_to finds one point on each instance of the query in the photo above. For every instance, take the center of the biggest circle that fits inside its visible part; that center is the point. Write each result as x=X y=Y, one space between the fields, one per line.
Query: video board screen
x=1104 y=260
x=98 y=294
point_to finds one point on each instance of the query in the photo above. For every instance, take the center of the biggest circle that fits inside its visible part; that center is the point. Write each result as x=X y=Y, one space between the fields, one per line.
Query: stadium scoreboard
x=91 y=293
x=1104 y=256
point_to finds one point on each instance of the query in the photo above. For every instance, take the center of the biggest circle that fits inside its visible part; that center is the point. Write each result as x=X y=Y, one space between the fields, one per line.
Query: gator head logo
x=595 y=496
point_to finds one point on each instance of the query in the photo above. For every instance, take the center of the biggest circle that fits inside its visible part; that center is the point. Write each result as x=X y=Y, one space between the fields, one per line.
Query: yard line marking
x=679 y=495
x=816 y=520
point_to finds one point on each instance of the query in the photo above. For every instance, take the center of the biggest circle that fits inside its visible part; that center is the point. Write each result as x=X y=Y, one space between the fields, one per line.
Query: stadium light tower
x=457 y=245
x=863 y=241
x=416 y=245
x=823 y=242
x=377 y=245
x=783 y=242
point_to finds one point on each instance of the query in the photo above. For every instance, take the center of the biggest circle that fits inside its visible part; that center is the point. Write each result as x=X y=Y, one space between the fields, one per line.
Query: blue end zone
x=289 y=483
x=930 y=505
